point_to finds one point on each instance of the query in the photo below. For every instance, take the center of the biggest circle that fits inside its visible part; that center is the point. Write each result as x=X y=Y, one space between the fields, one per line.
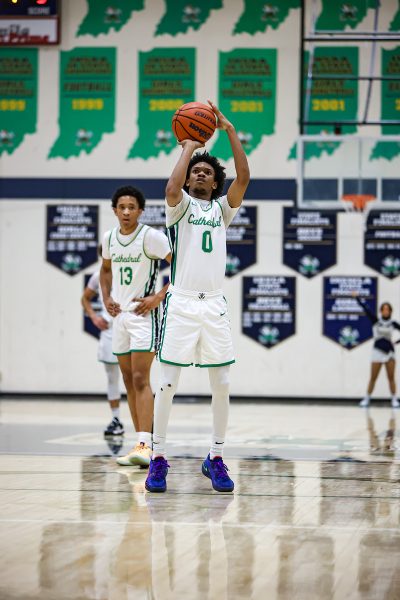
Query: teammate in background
x=103 y=322
x=128 y=277
x=196 y=327
x=383 y=351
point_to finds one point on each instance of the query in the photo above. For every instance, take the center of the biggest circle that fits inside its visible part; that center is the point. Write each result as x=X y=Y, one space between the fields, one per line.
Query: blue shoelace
x=220 y=468
x=159 y=468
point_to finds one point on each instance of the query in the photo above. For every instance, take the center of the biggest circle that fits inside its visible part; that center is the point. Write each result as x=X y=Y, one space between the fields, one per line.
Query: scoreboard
x=29 y=22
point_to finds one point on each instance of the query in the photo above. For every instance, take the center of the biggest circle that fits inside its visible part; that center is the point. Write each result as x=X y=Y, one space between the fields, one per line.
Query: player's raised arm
x=239 y=185
x=173 y=191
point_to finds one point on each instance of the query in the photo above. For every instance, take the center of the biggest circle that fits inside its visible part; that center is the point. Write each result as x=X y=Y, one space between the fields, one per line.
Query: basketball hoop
x=357 y=202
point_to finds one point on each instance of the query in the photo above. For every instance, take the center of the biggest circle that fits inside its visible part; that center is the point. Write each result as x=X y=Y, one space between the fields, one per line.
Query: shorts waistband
x=195 y=294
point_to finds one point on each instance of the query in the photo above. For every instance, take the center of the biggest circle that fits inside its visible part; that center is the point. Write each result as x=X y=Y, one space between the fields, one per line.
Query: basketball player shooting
x=196 y=328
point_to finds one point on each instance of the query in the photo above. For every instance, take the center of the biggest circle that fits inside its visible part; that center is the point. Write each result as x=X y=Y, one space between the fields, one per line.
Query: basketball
x=194 y=121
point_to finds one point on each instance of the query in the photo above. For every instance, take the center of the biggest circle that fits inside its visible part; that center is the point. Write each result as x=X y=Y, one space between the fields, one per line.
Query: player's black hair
x=219 y=171
x=128 y=190
x=388 y=305
x=100 y=250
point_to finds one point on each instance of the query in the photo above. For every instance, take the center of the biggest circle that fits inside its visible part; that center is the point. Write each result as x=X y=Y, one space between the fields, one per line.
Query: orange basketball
x=194 y=121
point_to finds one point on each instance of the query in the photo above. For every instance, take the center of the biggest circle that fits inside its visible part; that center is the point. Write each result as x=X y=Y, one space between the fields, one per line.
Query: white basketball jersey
x=198 y=243
x=134 y=274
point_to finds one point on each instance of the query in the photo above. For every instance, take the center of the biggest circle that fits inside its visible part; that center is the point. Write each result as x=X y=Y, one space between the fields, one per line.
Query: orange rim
x=359 y=201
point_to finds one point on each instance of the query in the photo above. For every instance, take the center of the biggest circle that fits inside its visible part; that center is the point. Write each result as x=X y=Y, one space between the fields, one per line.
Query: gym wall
x=43 y=347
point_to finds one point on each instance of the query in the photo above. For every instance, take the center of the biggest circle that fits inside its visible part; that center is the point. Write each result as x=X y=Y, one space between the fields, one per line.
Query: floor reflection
x=384 y=444
x=82 y=528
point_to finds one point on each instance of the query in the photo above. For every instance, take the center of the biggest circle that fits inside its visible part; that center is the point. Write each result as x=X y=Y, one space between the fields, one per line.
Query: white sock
x=219 y=382
x=115 y=412
x=162 y=406
x=144 y=437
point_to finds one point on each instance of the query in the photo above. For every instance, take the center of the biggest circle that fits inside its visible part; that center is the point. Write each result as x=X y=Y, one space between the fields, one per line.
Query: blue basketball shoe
x=218 y=473
x=157 y=476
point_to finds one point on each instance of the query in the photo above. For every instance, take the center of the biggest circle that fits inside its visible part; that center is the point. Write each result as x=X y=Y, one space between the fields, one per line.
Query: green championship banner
x=103 y=15
x=87 y=100
x=166 y=80
x=390 y=104
x=181 y=15
x=258 y=15
x=18 y=96
x=395 y=24
x=331 y=100
x=337 y=15
x=247 y=96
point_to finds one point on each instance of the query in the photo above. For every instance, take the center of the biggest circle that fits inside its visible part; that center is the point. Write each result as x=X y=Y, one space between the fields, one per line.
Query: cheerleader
x=383 y=351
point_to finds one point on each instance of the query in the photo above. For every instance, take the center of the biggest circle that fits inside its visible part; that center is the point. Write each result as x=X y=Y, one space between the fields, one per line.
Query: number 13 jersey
x=134 y=261
x=197 y=236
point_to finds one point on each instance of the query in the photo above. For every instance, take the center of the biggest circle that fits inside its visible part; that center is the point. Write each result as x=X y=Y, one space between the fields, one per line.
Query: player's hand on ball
x=147 y=304
x=222 y=121
x=100 y=323
x=192 y=144
x=113 y=308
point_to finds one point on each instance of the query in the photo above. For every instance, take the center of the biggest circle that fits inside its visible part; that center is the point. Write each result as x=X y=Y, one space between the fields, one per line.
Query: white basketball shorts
x=195 y=330
x=135 y=333
x=104 y=350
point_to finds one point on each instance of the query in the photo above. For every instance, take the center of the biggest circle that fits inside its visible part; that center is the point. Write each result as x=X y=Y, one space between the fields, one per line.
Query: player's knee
x=128 y=380
x=140 y=381
x=168 y=383
x=219 y=380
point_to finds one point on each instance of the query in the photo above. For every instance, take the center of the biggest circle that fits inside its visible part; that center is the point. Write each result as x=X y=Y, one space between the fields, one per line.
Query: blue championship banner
x=344 y=320
x=154 y=216
x=269 y=309
x=309 y=240
x=72 y=236
x=88 y=326
x=382 y=242
x=241 y=241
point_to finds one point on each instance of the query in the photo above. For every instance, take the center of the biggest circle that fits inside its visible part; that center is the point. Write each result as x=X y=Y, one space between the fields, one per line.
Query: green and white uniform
x=196 y=327
x=135 y=264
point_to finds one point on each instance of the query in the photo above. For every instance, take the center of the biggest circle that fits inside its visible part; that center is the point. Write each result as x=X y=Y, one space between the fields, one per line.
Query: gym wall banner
x=344 y=321
x=269 y=309
x=330 y=100
x=181 y=15
x=18 y=96
x=87 y=100
x=395 y=23
x=247 y=96
x=88 y=326
x=241 y=241
x=258 y=15
x=309 y=240
x=104 y=16
x=390 y=104
x=337 y=15
x=166 y=80
x=72 y=236
x=154 y=216
x=382 y=242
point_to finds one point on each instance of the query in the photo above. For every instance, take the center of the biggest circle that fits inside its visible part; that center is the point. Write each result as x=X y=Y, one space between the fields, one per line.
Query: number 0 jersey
x=134 y=269
x=197 y=235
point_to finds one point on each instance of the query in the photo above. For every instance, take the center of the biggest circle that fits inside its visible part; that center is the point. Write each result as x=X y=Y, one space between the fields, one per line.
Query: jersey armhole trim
x=144 y=248
x=109 y=239
x=180 y=218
